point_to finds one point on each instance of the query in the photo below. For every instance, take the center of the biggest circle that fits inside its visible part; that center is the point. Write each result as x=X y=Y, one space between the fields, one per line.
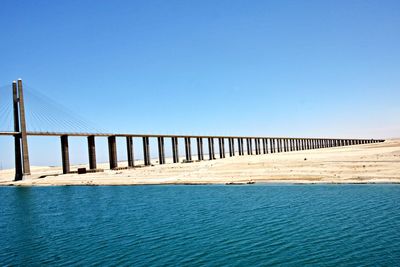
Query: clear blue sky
x=290 y=68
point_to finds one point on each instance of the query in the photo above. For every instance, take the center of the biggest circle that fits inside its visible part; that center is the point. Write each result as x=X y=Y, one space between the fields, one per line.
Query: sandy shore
x=370 y=163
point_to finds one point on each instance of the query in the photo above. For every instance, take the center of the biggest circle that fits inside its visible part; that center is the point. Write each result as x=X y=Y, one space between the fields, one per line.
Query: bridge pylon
x=22 y=167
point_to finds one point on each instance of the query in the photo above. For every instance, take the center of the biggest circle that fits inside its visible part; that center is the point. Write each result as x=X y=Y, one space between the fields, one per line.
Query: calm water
x=201 y=225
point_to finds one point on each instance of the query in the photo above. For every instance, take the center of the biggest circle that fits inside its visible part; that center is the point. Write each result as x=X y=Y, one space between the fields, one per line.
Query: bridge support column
x=211 y=154
x=188 y=149
x=146 y=151
x=240 y=146
x=129 y=151
x=272 y=143
x=265 y=146
x=249 y=146
x=175 y=152
x=92 y=152
x=200 y=154
x=231 y=147
x=257 y=146
x=112 y=152
x=65 y=154
x=221 y=143
x=161 y=151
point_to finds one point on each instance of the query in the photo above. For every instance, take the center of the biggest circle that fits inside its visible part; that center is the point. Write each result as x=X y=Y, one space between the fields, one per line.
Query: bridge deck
x=160 y=135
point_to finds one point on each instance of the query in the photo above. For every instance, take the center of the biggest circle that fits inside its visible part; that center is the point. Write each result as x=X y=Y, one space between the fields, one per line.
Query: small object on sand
x=241 y=183
x=81 y=170
x=305 y=158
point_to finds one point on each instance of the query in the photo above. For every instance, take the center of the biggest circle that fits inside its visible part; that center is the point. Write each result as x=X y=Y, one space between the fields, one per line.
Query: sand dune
x=369 y=163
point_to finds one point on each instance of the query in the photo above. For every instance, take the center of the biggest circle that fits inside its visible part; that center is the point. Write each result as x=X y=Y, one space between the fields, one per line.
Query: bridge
x=237 y=145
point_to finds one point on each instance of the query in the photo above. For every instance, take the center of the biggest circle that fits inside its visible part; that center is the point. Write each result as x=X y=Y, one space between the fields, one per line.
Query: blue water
x=323 y=225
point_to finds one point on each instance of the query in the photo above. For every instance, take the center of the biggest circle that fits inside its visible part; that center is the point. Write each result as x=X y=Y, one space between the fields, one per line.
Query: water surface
x=258 y=225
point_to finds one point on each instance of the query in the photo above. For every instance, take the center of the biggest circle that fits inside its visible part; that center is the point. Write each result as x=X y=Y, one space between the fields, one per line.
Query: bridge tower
x=22 y=167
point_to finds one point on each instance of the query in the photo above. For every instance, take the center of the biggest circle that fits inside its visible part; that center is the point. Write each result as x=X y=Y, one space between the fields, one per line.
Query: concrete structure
x=175 y=152
x=112 y=152
x=200 y=154
x=188 y=149
x=161 y=150
x=146 y=151
x=17 y=137
x=269 y=144
x=65 y=154
x=92 y=152
x=221 y=142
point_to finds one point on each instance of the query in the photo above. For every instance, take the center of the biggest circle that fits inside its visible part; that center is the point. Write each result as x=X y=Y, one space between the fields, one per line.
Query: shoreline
x=280 y=183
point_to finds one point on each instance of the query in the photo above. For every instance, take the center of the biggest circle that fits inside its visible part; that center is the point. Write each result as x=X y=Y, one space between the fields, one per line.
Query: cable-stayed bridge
x=25 y=112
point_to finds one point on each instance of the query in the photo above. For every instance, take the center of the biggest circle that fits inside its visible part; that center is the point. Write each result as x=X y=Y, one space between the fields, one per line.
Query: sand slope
x=370 y=163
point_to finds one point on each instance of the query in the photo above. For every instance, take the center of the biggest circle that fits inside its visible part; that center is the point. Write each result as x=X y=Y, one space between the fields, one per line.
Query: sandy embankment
x=370 y=163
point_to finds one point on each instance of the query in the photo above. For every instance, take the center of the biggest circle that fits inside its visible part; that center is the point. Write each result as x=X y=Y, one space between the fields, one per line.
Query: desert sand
x=369 y=163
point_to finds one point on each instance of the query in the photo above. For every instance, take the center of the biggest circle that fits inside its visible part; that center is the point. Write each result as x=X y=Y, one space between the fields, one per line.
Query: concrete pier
x=161 y=150
x=129 y=151
x=272 y=144
x=112 y=152
x=231 y=142
x=146 y=151
x=279 y=145
x=211 y=154
x=256 y=146
x=92 y=152
x=188 y=149
x=200 y=154
x=249 y=146
x=221 y=143
x=65 y=154
x=265 y=145
x=240 y=146
x=175 y=152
